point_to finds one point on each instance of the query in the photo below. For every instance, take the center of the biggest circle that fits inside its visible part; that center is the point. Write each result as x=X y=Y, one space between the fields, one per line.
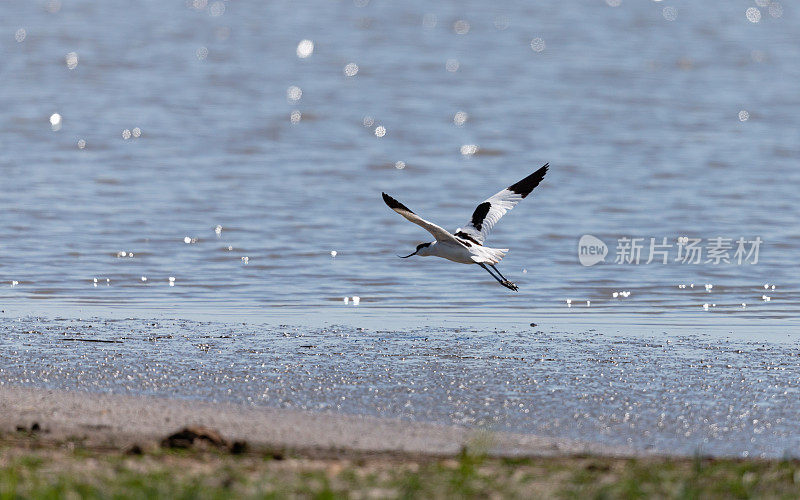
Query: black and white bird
x=465 y=246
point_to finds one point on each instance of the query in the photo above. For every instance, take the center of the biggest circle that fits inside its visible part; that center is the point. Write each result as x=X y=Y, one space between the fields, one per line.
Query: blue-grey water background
x=659 y=119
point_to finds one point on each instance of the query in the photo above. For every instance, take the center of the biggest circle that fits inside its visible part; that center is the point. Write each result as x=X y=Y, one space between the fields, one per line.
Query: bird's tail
x=490 y=255
x=499 y=253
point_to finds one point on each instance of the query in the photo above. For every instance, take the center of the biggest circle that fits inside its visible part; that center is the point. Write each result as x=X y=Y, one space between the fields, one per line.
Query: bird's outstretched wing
x=489 y=212
x=438 y=232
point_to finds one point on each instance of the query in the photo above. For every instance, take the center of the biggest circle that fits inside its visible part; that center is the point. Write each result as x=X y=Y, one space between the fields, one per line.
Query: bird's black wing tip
x=528 y=184
x=394 y=204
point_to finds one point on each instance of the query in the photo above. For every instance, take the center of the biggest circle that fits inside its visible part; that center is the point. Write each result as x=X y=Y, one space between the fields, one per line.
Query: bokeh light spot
x=216 y=9
x=461 y=27
x=72 y=60
x=670 y=13
x=753 y=15
x=294 y=93
x=537 y=44
x=351 y=69
x=744 y=116
x=305 y=48
x=20 y=35
x=55 y=122
x=501 y=22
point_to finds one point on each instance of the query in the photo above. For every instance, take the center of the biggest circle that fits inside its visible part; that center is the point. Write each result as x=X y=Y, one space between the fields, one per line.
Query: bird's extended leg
x=503 y=281
x=498 y=272
x=491 y=273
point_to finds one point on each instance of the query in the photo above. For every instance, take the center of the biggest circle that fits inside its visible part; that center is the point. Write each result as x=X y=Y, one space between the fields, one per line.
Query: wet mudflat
x=673 y=393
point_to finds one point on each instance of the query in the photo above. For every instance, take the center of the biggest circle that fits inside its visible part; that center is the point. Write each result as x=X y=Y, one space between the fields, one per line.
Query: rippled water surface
x=202 y=159
x=638 y=116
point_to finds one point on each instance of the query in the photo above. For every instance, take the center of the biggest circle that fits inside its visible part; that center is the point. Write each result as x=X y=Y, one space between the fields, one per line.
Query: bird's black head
x=419 y=247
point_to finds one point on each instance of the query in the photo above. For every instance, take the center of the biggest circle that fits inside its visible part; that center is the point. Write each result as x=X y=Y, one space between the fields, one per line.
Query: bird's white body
x=457 y=252
x=465 y=246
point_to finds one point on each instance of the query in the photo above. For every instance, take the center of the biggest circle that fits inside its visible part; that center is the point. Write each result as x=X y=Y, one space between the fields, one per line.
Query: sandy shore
x=117 y=421
x=56 y=444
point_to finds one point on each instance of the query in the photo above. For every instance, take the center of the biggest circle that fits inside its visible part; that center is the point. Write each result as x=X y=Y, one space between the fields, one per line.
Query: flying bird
x=465 y=246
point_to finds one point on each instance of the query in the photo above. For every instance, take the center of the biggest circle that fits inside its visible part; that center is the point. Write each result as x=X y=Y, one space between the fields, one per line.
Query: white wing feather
x=438 y=232
x=488 y=213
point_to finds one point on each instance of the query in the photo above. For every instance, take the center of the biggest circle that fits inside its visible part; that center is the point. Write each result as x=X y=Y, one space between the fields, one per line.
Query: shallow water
x=185 y=110
x=637 y=115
